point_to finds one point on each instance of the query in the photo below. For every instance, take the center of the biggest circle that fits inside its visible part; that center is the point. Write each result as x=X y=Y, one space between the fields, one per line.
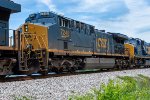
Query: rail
x=51 y=75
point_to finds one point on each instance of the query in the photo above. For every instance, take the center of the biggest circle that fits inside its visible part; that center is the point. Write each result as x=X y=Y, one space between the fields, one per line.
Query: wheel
x=33 y=65
x=56 y=70
x=72 y=70
x=61 y=70
x=69 y=67
x=44 y=73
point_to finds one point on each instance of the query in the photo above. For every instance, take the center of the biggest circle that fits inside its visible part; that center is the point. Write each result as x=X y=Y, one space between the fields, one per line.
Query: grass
x=23 y=98
x=128 y=88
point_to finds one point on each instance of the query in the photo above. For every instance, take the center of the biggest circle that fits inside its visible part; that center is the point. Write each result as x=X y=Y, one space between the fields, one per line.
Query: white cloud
x=137 y=19
x=93 y=6
x=89 y=5
x=50 y=5
x=131 y=24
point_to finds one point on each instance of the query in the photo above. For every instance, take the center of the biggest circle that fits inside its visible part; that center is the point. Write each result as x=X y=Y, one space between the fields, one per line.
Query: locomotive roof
x=121 y=36
x=52 y=14
x=74 y=20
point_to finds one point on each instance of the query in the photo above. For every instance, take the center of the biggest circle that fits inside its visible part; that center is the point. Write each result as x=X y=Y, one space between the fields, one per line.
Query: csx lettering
x=102 y=43
x=65 y=33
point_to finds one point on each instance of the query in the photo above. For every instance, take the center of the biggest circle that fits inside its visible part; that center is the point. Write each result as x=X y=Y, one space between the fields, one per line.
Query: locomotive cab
x=42 y=18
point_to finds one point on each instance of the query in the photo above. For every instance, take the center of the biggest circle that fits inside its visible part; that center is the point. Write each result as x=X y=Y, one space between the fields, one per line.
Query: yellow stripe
x=7 y=48
x=82 y=52
x=72 y=52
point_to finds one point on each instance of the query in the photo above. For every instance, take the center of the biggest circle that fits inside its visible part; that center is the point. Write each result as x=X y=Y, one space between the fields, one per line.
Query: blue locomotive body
x=71 y=35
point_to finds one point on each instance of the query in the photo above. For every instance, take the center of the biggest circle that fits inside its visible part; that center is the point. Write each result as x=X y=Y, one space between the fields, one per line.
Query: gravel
x=59 y=88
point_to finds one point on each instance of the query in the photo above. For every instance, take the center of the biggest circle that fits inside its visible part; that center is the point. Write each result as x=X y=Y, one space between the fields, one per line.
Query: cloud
x=96 y=6
x=137 y=19
x=51 y=6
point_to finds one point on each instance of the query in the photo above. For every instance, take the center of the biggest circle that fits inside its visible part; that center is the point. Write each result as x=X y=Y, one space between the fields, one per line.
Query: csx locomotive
x=48 y=42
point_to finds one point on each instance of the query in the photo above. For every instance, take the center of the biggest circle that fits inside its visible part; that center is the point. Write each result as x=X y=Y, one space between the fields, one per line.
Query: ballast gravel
x=60 y=88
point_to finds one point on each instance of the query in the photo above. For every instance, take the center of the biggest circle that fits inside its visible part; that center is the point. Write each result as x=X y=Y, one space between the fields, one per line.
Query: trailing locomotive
x=141 y=52
x=48 y=42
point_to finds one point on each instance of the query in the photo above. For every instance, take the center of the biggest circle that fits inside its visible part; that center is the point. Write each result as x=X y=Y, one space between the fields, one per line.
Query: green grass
x=23 y=98
x=128 y=88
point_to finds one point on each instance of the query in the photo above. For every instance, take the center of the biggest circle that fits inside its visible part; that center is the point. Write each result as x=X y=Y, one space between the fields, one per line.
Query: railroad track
x=35 y=76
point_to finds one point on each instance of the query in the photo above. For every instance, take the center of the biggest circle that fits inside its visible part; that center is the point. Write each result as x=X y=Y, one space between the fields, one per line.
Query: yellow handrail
x=44 y=42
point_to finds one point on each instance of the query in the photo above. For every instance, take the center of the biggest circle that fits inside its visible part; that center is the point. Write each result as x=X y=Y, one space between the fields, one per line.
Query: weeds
x=128 y=88
x=23 y=98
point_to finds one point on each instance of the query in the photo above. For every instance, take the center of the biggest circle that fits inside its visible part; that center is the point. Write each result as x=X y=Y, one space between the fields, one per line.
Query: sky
x=129 y=17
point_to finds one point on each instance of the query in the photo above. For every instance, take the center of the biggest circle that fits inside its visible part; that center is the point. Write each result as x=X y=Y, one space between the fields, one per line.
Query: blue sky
x=130 y=17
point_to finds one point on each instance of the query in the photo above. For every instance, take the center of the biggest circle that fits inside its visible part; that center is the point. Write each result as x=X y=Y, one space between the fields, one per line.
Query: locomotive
x=8 y=54
x=141 y=52
x=52 y=42
x=49 y=42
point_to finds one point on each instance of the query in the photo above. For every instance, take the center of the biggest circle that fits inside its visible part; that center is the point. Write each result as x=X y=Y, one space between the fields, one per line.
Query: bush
x=128 y=88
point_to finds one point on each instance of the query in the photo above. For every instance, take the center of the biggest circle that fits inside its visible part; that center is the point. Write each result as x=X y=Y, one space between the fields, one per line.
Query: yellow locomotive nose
x=34 y=36
x=129 y=50
x=33 y=48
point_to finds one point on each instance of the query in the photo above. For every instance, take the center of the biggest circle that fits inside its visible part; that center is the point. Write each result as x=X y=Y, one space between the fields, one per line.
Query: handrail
x=38 y=42
x=37 y=37
x=43 y=41
x=127 y=50
x=26 y=39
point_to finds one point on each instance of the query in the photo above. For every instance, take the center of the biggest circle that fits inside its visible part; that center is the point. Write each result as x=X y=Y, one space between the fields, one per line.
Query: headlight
x=26 y=28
